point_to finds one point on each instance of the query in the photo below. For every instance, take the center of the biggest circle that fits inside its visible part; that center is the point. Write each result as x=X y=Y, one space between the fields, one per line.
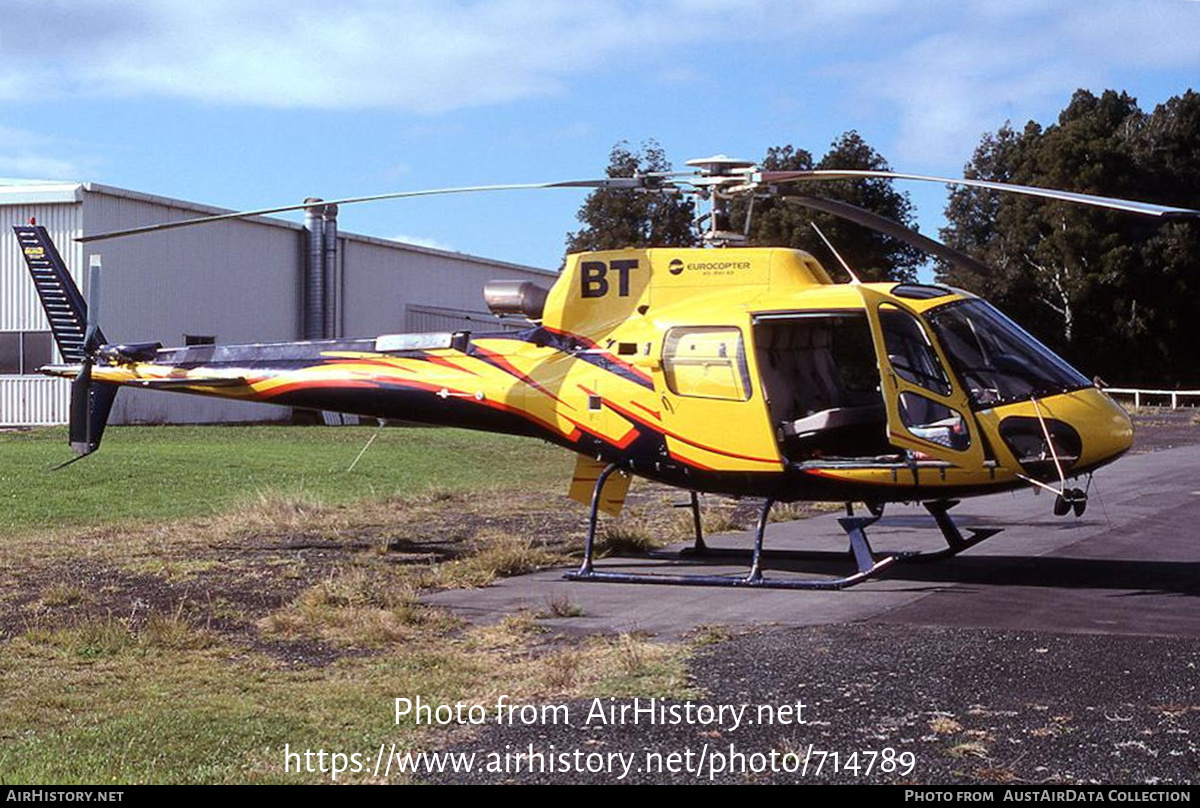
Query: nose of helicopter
x=1105 y=426
x=1087 y=430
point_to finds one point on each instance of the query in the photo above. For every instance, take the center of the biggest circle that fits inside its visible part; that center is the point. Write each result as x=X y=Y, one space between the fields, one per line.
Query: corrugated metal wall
x=240 y=281
x=33 y=400
x=418 y=319
x=382 y=280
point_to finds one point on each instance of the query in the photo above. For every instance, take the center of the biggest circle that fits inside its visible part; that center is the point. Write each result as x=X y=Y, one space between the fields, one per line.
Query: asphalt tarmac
x=1129 y=566
x=1060 y=651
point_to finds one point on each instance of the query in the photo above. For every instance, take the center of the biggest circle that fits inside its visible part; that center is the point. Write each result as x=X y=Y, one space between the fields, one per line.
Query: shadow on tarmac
x=1141 y=576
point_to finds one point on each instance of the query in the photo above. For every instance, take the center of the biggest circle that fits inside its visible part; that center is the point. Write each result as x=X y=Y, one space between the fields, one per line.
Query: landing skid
x=867 y=564
x=955 y=541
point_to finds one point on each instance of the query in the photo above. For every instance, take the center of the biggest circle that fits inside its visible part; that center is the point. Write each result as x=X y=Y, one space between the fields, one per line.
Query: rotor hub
x=720 y=165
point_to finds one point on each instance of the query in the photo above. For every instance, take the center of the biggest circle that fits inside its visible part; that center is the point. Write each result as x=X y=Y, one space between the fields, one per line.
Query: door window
x=928 y=412
x=935 y=422
x=706 y=362
x=909 y=351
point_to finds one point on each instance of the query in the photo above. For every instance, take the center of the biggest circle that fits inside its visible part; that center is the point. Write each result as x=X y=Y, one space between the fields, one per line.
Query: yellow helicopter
x=728 y=369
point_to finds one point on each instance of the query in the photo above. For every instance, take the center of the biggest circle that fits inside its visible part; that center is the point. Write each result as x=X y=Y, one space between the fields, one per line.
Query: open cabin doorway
x=821 y=381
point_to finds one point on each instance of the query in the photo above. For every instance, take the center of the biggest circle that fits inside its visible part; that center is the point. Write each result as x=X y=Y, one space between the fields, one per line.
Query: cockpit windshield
x=996 y=359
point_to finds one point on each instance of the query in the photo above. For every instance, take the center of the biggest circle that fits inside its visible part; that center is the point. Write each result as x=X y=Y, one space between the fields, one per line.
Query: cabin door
x=928 y=411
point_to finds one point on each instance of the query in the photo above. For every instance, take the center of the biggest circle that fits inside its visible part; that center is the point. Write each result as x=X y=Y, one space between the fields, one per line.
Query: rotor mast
x=718 y=179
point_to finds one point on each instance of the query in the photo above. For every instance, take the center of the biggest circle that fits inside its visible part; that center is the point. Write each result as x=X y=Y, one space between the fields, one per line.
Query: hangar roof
x=44 y=192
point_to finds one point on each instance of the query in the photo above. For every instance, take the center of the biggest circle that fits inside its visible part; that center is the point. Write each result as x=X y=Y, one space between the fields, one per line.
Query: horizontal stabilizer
x=177 y=382
x=170 y=384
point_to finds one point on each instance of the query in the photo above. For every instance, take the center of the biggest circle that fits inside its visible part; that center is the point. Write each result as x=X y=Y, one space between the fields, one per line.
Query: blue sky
x=245 y=103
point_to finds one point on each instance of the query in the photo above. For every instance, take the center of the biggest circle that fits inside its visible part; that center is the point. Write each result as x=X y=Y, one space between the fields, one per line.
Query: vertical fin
x=91 y=403
x=64 y=305
x=77 y=338
x=587 y=472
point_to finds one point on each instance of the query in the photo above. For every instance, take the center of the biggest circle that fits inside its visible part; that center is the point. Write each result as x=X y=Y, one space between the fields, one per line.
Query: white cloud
x=422 y=241
x=24 y=154
x=942 y=71
x=422 y=55
x=983 y=64
x=35 y=166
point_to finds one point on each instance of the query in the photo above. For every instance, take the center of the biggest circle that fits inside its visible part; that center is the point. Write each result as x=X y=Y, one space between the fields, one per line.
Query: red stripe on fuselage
x=628 y=438
x=444 y=362
x=655 y=413
x=411 y=384
x=496 y=360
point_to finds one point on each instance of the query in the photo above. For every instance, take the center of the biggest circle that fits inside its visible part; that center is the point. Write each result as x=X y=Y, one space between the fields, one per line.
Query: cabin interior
x=821 y=380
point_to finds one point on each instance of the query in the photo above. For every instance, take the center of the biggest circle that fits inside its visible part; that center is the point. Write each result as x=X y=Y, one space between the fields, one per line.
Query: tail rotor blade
x=91 y=404
x=90 y=342
x=77 y=432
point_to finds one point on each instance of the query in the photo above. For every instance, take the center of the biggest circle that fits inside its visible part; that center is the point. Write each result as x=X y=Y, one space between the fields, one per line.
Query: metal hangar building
x=235 y=281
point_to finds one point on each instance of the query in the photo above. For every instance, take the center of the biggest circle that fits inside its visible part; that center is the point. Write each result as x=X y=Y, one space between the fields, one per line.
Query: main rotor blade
x=1144 y=208
x=609 y=183
x=884 y=225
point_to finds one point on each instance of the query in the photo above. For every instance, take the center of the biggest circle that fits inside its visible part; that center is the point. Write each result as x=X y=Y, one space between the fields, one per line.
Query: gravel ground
x=1156 y=429
x=970 y=706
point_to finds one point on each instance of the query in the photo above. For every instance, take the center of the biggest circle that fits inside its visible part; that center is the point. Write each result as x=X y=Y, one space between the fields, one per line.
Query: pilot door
x=928 y=411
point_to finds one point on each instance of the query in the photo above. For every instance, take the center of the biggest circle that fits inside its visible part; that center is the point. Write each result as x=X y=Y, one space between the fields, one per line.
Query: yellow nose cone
x=1103 y=425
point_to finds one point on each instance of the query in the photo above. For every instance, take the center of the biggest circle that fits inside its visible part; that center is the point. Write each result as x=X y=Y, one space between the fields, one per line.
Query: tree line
x=1115 y=293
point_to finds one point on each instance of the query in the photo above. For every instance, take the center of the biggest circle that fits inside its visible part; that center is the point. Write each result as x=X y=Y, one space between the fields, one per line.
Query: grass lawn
x=160 y=473
x=184 y=604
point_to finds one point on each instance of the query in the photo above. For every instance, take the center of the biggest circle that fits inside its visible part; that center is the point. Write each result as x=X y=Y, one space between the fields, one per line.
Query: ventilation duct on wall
x=314 y=271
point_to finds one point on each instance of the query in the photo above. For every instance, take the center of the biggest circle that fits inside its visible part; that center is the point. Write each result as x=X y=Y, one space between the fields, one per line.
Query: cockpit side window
x=910 y=352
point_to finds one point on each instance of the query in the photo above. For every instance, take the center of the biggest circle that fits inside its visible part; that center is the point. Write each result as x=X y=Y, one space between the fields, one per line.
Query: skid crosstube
x=867 y=564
